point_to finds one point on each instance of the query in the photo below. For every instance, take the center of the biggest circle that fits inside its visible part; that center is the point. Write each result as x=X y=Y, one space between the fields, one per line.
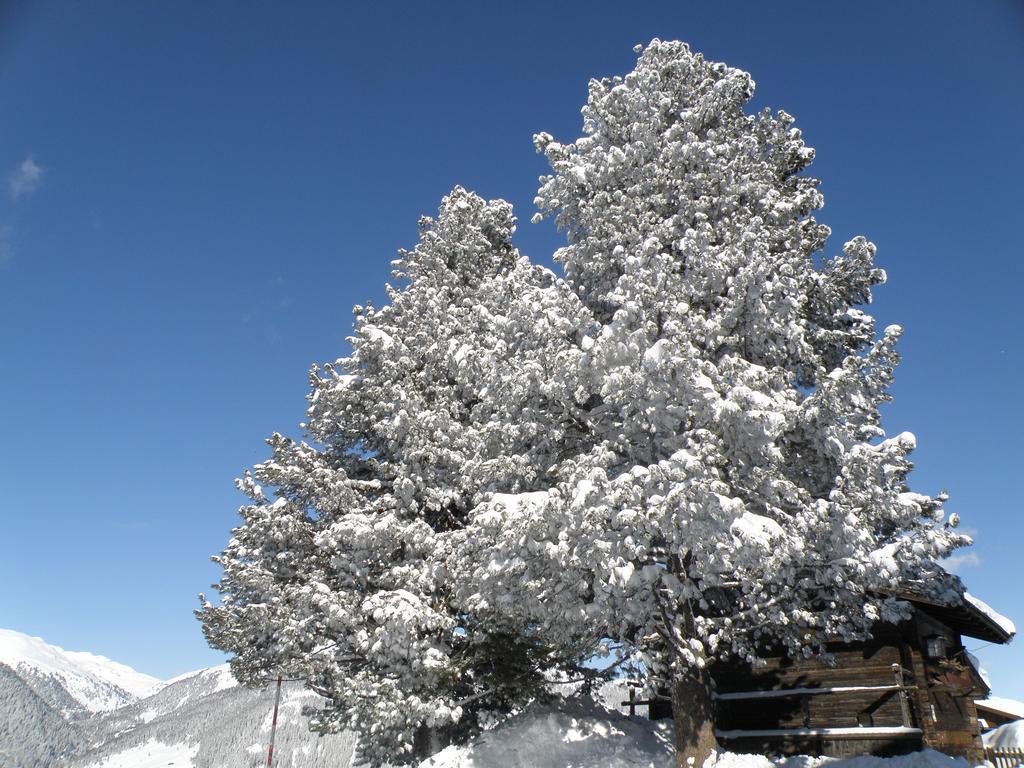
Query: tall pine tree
x=338 y=574
x=737 y=492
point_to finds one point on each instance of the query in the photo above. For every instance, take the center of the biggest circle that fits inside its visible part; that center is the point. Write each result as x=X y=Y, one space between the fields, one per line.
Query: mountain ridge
x=200 y=719
x=94 y=683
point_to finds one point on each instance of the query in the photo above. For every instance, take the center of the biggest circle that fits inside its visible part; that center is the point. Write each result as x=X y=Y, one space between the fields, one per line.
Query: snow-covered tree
x=675 y=451
x=736 y=492
x=455 y=390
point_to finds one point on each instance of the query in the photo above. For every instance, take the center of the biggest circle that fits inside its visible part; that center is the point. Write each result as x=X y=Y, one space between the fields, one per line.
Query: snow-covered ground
x=571 y=734
x=587 y=735
x=152 y=754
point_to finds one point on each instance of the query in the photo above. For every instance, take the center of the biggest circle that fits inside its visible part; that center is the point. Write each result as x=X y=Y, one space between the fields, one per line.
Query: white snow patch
x=756 y=529
x=121 y=675
x=223 y=679
x=583 y=735
x=515 y=503
x=1009 y=736
x=373 y=334
x=344 y=380
x=884 y=560
x=152 y=754
x=656 y=355
x=219 y=676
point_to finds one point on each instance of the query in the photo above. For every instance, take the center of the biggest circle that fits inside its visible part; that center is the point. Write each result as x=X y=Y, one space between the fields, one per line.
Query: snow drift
x=1009 y=736
x=582 y=734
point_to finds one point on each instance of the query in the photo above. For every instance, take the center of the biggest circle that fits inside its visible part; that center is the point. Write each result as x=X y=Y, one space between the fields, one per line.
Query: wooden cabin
x=910 y=687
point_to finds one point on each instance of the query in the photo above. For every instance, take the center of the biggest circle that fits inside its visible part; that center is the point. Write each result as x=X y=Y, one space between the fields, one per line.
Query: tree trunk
x=693 y=716
x=428 y=741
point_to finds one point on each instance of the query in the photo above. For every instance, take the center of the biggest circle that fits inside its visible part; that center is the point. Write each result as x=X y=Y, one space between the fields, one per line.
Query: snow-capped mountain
x=206 y=720
x=73 y=682
x=63 y=708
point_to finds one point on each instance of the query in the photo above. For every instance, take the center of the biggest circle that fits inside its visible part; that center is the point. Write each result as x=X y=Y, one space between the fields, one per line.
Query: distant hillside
x=212 y=722
x=75 y=683
x=61 y=709
x=32 y=731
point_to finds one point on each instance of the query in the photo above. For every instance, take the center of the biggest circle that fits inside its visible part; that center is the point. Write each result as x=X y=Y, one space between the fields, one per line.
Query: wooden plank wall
x=866 y=664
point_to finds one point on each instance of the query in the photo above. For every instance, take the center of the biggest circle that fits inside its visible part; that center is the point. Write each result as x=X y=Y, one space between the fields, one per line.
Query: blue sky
x=194 y=195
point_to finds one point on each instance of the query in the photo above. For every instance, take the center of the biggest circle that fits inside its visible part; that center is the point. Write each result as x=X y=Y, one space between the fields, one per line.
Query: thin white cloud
x=957 y=563
x=25 y=179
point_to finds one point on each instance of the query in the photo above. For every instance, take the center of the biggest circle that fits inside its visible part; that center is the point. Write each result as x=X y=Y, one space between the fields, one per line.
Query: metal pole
x=273 y=724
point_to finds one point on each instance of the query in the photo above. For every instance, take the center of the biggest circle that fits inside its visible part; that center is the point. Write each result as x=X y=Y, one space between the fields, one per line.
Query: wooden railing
x=899 y=686
x=1004 y=758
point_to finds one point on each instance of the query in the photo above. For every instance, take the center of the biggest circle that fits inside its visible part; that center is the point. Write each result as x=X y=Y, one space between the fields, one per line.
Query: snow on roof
x=1008 y=707
x=997 y=618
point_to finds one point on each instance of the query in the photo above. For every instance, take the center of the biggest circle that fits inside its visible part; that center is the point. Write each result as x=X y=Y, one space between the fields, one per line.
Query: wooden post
x=273 y=724
x=897 y=670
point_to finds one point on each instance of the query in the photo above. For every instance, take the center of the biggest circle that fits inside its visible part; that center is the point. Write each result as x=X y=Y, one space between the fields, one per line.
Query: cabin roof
x=970 y=617
x=1009 y=708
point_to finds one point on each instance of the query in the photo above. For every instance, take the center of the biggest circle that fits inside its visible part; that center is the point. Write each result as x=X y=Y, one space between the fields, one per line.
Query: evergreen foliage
x=673 y=454
x=453 y=392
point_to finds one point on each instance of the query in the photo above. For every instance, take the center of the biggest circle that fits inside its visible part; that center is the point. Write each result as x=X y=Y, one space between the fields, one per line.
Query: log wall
x=934 y=710
x=861 y=665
